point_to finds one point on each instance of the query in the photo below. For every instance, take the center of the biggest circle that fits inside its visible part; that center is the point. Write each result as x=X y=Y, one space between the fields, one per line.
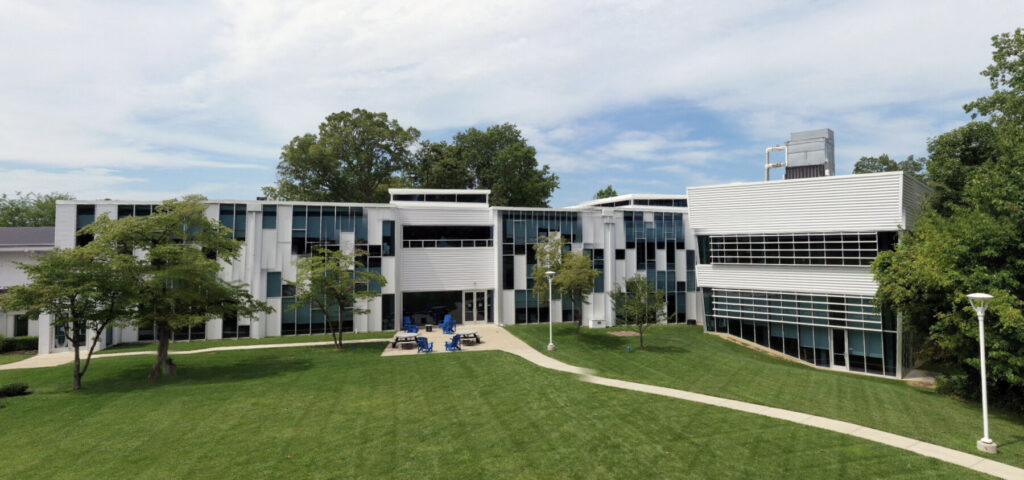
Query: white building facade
x=784 y=264
x=20 y=245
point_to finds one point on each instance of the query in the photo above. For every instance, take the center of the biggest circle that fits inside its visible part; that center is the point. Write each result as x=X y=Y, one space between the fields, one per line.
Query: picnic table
x=469 y=335
x=403 y=338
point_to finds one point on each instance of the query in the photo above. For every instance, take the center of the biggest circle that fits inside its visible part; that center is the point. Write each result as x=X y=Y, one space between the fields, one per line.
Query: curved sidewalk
x=63 y=358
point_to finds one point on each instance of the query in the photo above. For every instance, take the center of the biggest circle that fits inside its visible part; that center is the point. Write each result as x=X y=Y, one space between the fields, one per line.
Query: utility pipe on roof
x=767 y=160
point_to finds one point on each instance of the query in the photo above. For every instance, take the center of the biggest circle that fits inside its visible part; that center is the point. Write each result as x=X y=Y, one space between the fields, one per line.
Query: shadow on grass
x=191 y=372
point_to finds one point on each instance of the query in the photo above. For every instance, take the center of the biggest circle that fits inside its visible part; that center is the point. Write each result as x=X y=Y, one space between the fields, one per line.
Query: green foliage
x=18 y=344
x=954 y=158
x=14 y=390
x=639 y=304
x=606 y=192
x=332 y=281
x=548 y=250
x=883 y=163
x=498 y=159
x=173 y=272
x=574 y=280
x=438 y=165
x=352 y=159
x=970 y=238
x=30 y=209
x=1004 y=108
x=84 y=289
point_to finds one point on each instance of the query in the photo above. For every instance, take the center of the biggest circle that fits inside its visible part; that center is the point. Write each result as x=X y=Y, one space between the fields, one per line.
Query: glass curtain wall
x=521 y=230
x=664 y=233
x=802 y=325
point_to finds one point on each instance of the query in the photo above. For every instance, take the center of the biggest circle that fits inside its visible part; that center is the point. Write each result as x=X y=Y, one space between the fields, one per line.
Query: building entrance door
x=839 y=349
x=475 y=306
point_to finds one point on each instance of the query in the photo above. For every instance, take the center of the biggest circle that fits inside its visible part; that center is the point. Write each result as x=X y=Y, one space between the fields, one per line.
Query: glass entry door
x=839 y=349
x=474 y=306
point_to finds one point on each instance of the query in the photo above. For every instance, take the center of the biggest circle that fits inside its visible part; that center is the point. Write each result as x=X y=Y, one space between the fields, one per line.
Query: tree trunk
x=579 y=317
x=78 y=363
x=163 y=365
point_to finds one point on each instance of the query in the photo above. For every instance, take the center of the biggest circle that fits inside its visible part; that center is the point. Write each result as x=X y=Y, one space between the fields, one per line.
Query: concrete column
x=608 y=217
x=45 y=335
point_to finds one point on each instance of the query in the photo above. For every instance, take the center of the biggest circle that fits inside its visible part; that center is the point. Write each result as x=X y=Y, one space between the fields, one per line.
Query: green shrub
x=14 y=390
x=17 y=344
x=959 y=385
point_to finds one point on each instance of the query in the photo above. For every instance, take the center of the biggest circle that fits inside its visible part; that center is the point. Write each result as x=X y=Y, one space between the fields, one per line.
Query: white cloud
x=122 y=85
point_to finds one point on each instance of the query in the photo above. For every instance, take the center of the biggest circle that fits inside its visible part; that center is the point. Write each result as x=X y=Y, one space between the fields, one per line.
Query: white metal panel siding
x=64 y=230
x=869 y=202
x=444 y=216
x=444 y=269
x=914 y=196
x=789 y=278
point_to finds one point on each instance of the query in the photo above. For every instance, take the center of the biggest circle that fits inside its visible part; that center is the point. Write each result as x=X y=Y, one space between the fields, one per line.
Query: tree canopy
x=333 y=281
x=498 y=159
x=639 y=304
x=883 y=163
x=353 y=159
x=84 y=290
x=179 y=252
x=970 y=238
x=606 y=192
x=30 y=209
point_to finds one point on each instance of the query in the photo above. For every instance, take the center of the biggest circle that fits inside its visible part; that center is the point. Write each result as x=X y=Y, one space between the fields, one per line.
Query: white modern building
x=18 y=245
x=784 y=264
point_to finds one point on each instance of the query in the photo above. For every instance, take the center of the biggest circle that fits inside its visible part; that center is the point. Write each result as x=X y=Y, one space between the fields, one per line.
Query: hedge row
x=17 y=344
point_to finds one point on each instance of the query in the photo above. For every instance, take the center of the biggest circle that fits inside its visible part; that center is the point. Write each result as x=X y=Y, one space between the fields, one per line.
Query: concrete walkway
x=62 y=358
x=497 y=338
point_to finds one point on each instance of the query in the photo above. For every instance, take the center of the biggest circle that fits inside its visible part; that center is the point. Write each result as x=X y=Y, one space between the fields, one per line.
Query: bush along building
x=784 y=264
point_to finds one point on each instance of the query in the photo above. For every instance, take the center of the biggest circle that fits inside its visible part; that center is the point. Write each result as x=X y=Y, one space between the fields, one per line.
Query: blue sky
x=145 y=100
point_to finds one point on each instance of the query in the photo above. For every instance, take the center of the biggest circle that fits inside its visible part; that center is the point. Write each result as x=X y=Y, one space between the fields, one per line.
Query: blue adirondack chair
x=454 y=344
x=409 y=326
x=424 y=346
x=448 y=327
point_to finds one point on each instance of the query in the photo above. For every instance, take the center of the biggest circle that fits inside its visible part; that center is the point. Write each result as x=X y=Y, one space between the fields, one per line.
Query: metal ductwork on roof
x=808 y=154
x=811 y=154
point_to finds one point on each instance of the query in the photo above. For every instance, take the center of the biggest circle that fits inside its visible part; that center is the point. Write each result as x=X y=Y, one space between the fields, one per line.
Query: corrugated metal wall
x=439 y=269
x=848 y=203
x=788 y=278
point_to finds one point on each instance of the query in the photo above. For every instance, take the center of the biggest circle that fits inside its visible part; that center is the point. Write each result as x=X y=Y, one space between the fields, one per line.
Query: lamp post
x=979 y=301
x=551 y=323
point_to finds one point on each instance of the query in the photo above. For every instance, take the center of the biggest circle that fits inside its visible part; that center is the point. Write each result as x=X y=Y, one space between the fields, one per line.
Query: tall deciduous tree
x=970 y=238
x=84 y=290
x=352 y=159
x=30 y=209
x=333 y=281
x=548 y=251
x=606 y=192
x=498 y=159
x=574 y=274
x=640 y=304
x=883 y=163
x=178 y=248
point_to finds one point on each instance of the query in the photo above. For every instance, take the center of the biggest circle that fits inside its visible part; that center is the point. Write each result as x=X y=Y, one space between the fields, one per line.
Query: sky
x=151 y=100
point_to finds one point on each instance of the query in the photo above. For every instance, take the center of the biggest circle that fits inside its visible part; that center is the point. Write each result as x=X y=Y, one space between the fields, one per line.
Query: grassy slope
x=201 y=344
x=684 y=357
x=315 y=413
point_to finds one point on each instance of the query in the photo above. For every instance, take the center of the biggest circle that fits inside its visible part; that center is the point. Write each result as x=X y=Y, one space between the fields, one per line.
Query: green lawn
x=684 y=357
x=14 y=357
x=201 y=344
x=315 y=413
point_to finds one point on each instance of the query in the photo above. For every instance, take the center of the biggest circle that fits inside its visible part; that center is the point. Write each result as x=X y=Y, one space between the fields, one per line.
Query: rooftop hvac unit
x=808 y=154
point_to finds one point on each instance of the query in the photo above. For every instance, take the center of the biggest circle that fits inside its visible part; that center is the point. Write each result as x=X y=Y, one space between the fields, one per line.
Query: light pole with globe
x=979 y=301
x=551 y=332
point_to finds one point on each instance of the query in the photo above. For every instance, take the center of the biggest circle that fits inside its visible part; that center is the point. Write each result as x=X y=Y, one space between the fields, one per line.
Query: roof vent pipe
x=768 y=166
